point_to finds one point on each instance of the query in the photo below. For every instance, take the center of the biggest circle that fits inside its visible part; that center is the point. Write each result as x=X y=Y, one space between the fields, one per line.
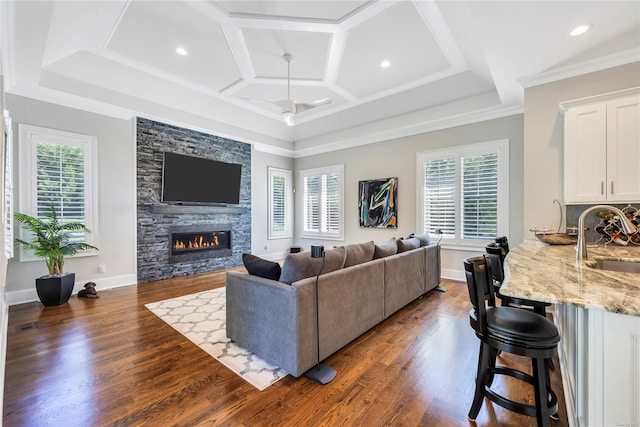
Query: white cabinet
x=602 y=148
x=600 y=364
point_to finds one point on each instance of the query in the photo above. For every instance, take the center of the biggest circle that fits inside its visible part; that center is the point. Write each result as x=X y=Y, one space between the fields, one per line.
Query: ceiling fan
x=290 y=107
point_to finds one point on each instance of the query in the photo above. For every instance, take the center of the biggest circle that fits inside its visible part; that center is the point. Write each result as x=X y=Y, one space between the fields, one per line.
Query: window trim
x=27 y=203
x=501 y=148
x=326 y=170
x=288 y=203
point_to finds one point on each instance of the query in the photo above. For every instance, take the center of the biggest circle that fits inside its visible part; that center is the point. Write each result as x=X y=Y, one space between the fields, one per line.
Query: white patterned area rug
x=202 y=319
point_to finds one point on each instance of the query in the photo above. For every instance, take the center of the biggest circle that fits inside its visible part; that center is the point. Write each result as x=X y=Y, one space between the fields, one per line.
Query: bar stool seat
x=509 y=330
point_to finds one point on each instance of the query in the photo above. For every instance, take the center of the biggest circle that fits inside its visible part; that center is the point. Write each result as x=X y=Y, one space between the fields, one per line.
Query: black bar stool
x=510 y=330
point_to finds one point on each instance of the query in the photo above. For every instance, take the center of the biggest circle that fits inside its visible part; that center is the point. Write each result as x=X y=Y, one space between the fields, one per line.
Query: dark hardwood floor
x=111 y=362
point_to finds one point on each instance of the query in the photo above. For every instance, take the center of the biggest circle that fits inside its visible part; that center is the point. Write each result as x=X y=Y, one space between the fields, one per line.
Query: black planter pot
x=55 y=290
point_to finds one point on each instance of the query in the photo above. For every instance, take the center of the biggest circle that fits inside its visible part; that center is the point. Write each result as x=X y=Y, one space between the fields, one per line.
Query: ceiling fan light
x=581 y=29
x=288 y=118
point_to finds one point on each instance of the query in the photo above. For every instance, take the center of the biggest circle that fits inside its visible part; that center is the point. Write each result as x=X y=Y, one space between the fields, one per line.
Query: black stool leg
x=481 y=376
x=540 y=388
x=492 y=366
x=547 y=380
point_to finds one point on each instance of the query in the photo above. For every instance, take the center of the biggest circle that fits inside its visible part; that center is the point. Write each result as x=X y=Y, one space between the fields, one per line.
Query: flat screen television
x=194 y=180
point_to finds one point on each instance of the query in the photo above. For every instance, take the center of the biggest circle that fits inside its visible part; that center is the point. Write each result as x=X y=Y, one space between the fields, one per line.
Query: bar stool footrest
x=519 y=407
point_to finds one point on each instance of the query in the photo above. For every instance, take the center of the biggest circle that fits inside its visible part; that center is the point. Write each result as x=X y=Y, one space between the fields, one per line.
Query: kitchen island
x=598 y=315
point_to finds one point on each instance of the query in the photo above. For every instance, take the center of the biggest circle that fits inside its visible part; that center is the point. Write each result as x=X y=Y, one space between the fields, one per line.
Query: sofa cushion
x=261 y=267
x=300 y=266
x=386 y=248
x=408 y=244
x=359 y=253
x=425 y=239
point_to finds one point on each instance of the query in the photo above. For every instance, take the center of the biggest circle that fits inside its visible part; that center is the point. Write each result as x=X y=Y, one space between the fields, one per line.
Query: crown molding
x=609 y=61
x=414 y=129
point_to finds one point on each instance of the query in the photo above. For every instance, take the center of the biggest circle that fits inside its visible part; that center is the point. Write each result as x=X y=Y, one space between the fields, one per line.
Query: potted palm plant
x=52 y=241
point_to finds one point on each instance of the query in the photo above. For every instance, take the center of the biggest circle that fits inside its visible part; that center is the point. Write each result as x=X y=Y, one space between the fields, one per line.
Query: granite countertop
x=550 y=273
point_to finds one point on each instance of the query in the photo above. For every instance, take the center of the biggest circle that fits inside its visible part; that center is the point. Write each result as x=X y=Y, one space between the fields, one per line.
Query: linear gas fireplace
x=201 y=241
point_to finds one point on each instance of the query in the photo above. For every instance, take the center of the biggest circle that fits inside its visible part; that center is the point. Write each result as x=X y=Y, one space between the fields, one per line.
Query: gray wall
x=398 y=158
x=116 y=201
x=543 y=137
x=261 y=244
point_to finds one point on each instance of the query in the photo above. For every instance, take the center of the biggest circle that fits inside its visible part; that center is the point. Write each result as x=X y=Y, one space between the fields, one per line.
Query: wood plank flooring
x=111 y=362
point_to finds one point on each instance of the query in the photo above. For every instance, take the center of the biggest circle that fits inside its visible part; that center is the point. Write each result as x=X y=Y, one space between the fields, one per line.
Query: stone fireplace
x=178 y=240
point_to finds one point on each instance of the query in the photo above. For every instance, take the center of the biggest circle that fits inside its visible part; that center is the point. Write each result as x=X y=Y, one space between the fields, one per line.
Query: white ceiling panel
x=398 y=35
x=267 y=47
x=149 y=33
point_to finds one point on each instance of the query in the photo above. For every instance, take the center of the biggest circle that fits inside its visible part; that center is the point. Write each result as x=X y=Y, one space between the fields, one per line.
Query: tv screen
x=187 y=179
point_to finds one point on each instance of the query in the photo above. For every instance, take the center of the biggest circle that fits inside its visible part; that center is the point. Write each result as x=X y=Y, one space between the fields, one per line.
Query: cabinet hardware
x=601 y=187
x=611 y=187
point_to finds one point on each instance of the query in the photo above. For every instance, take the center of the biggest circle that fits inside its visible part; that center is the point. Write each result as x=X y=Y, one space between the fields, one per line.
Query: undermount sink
x=624 y=266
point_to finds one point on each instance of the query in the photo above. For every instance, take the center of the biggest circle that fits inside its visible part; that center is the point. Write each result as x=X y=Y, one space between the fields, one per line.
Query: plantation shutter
x=331 y=194
x=323 y=213
x=440 y=196
x=280 y=207
x=479 y=184
x=312 y=189
x=464 y=191
x=60 y=183
x=279 y=212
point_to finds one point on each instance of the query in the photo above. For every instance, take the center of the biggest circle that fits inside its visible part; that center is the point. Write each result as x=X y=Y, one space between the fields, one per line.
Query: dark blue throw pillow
x=261 y=267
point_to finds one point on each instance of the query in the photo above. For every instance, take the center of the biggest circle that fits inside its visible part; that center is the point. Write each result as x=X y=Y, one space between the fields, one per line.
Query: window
x=59 y=169
x=464 y=192
x=280 y=204
x=322 y=202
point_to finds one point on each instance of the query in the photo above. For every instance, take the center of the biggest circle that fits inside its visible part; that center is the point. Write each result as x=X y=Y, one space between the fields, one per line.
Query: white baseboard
x=28 y=295
x=451 y=274
x=275 y=256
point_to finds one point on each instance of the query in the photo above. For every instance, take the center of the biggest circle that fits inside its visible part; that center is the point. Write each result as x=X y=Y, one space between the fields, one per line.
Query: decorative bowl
x=553 y=238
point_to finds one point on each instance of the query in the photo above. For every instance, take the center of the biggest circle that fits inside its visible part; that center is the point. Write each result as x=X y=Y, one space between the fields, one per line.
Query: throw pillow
x=300 y=266
x=386 y=248
x=425 y=240
x=261 y=267
x=408 y=244
x=359 y=253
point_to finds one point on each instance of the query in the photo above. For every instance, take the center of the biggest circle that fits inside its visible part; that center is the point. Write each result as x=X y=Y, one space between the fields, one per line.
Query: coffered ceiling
x=449 y=62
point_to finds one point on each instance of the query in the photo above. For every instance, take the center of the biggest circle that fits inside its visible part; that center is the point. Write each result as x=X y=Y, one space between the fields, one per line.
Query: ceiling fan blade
x=288 y=118
x=275 y=106
x=309 y=105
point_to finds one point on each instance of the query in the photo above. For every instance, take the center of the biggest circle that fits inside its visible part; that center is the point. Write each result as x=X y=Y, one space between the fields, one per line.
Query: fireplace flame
x=197 y=242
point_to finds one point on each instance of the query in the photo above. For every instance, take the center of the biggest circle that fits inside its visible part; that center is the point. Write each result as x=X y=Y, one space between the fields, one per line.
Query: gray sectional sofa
x=361 y=285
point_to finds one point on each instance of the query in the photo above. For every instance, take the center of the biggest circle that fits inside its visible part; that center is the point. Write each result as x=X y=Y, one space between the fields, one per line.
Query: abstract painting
x=377 y=203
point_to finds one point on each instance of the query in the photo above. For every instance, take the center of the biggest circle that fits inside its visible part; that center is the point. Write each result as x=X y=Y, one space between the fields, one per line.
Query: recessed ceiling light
x=581 y=29
x=385 y=64
x=181 y=51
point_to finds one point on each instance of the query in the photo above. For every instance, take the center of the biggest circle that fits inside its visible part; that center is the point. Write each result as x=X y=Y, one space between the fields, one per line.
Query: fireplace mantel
x=162 y=208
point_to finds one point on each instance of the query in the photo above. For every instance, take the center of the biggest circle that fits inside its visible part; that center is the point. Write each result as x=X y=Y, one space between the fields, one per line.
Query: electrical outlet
x=102 y=268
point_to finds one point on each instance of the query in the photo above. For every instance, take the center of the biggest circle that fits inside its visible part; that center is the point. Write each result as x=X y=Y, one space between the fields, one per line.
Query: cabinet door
x=623 y=149
x=585 y=152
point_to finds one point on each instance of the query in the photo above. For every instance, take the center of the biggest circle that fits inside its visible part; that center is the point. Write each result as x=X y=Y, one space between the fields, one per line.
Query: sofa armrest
x=272 y=320
x=432 y=266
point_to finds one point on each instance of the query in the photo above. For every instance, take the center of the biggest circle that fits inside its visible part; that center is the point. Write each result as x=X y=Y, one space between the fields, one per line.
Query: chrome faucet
x=627 y=226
